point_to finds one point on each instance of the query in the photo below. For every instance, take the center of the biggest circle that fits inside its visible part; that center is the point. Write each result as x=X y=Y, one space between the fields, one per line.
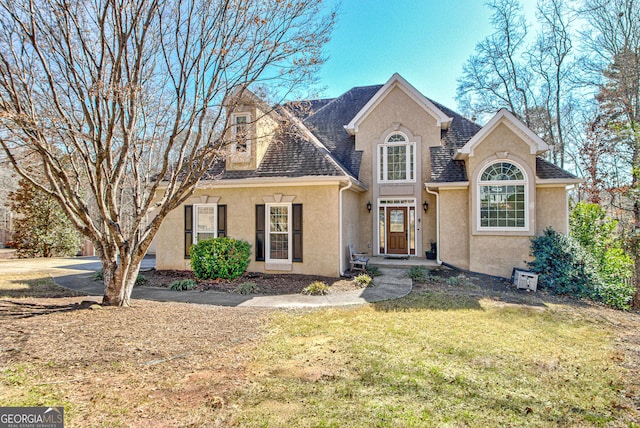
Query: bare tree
x=530 y=78
x=495 y=75
x=614 y=44
x=550 y=57
x=111 y=97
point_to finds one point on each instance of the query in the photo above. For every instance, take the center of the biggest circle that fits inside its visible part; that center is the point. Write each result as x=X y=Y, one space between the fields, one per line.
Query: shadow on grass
x=42 y=287
x=10 y=309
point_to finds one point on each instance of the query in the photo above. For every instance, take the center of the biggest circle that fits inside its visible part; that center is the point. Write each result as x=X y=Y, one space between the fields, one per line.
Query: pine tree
x=42 y=227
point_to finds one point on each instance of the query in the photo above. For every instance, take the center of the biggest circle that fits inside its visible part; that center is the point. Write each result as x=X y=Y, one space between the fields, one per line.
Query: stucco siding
x=320 y=225
x=498 y=255
x=552 y=209
x=454 y=227
x=396 y=112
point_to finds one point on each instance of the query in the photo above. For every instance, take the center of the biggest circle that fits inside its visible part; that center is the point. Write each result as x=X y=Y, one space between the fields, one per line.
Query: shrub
x=597 y=235
x=563 y=265
x=418 y=273
x=182 y=285
x=316 y=288
x=246 y=288
x=457 y=281
x=140 y=281
x=616 y=289
x=225 y=258
x=373 y=271
x=363 y=280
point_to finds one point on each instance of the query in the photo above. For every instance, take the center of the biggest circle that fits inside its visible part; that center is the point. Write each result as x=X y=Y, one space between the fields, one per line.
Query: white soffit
x=443 y=121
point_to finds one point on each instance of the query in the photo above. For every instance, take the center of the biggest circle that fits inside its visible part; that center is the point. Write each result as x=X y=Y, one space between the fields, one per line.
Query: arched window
x=503 y=197
x=396 y=159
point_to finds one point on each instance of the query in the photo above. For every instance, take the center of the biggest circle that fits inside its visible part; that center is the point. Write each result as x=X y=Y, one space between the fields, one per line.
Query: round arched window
x=503 y=197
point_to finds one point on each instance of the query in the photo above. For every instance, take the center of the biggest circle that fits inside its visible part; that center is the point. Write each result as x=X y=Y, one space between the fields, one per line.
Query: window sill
x=283 y=266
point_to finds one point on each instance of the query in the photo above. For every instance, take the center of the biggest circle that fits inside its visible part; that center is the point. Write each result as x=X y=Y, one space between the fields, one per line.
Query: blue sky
x=426 y=41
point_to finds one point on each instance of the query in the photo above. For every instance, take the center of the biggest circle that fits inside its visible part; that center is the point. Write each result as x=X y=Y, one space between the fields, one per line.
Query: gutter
x=340 y=209
x=437 y=195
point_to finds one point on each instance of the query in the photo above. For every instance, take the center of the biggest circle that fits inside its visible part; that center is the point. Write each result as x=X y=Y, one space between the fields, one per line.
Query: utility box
x=524 y=280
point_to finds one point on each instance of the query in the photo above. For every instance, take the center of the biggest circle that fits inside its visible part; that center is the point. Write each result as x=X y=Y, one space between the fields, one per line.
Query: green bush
x=598 y=235
x=363 y=280
x=457 y=281
x=182 y=285
x=225 y=258
x=563 y=265
x=140 y=281
x=316 y=288
x=418 y=273
x=616 y=271
x=373 y=271
x=246 y=288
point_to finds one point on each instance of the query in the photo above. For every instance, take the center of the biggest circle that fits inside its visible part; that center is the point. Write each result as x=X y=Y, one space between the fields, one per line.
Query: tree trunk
x=119 y=279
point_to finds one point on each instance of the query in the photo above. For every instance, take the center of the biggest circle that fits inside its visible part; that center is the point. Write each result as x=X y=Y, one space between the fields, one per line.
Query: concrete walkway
x=76 y=273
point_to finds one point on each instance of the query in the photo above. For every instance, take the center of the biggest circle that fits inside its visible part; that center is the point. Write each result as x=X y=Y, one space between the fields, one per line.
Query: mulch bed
x=270 y=284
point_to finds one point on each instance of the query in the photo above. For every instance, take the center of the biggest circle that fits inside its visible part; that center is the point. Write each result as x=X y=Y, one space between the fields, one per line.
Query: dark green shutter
x=222 y=221
x=188 y=229
x=297 y=232
x=260 y=232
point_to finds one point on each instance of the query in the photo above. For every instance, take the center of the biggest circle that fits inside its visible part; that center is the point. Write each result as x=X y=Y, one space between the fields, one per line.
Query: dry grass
x=457 y=356
x=153 y=365
x=438 y=358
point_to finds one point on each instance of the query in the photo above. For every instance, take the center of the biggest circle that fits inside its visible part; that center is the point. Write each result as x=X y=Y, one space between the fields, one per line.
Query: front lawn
x=441 y=357
x=452 y=353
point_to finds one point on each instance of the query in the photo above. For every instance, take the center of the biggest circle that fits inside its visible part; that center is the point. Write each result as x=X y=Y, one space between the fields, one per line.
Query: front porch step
x=383 y=262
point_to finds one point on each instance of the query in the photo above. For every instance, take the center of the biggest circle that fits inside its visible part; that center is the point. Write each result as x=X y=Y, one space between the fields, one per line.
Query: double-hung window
x=503 y=197
x=240 y=130
x=204 y=220
x=397 y=159
x=279 y=232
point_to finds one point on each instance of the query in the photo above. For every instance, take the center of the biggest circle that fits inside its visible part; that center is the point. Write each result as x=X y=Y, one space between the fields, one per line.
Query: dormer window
x=396 y=159
x=240 y=132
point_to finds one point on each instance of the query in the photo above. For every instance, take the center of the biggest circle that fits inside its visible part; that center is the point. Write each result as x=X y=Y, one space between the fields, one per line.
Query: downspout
x=340 y=209
x=437 y=195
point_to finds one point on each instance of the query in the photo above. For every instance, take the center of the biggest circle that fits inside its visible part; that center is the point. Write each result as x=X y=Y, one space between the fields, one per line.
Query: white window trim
x=195 y=220
x=267 y=211
x=382 y=159
x=235 y=154
x=524 y=182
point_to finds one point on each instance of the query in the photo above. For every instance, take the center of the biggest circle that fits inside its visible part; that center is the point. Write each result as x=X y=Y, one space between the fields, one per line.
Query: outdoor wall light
x=369 y=206
x=425 y=206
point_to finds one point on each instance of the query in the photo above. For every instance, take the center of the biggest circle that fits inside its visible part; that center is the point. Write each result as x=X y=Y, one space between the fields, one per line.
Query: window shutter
x=297 y=232
x=260 y=232
x=188 y=229
x=222 y=221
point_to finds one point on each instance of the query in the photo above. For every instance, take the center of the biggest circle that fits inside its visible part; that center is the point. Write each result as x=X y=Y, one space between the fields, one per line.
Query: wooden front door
x=397 y=222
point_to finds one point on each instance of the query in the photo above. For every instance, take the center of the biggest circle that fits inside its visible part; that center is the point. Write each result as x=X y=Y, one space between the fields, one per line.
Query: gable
x=397 y=82
x=504 y=118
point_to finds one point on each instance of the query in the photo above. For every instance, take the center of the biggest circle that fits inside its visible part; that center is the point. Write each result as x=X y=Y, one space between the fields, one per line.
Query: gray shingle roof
x=327 y=124
x=547 y=170
x=294 y=155
x=289 y=156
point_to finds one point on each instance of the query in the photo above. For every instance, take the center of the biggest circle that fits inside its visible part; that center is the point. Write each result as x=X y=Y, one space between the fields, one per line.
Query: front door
x=397 y=230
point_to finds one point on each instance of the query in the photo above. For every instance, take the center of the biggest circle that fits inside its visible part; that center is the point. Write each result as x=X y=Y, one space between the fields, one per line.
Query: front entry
x=397 y=226
x=397 y=230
